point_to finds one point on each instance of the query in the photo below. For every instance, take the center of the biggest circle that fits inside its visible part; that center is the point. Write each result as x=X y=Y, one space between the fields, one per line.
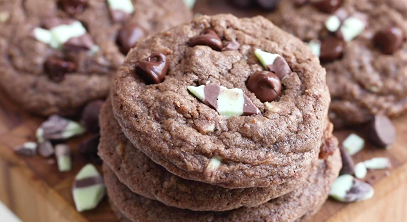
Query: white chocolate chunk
x=353 y=144
x=332 y=23
x=123 y=5
x=198 y=92
x=315 y=46
x=214 y=163
x=43 y=35
x=63 y=33
x=265 y=58
x=360 y=170
x=190 y=3
x=378 y=163
x=351 y=28
x=4 y=16
x=230 y=102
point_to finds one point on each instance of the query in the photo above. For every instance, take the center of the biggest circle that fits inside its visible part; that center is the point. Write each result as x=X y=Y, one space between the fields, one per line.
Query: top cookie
x=57 y=55
x=182 y=97
x=362 y=46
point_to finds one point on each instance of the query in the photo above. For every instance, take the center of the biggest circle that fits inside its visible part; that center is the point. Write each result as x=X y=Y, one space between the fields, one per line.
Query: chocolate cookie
x=57 y=55
x=289 y=207
x=362 y=44
x=181 y=97
x=152 y=181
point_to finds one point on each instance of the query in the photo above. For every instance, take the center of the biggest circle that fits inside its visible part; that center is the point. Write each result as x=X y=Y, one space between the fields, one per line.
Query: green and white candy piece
x=228 y=102
x=88 y=188
x=315 y=46
x=274 y=62
x=378 y=163
x=333 y=23
x=58 y=128
x=190 y=3
x=360 y=170
x=60 y=34
x=349 y=189
x=122 y=5
x=27 y=149
x=63 y=155
x=351 y=28
x=214 y=163
x=4 y=16
x=265 y=58
x=353 y=144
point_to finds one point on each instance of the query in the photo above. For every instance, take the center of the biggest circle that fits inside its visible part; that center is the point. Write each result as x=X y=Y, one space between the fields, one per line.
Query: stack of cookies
x=220 y=119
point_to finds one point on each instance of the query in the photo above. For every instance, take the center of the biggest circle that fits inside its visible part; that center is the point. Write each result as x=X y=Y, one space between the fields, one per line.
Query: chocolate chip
x=57 y=68
x=89 y=148
x=83 y=42
x=381 y=131
x=119 y=16
x=389 y=40
x=331 y=49
x=241 y=3
x=267 y=4
x=232 y=46
x=45 y=149
x=327 y=6
x=299 y=3
x=128 y=37
x=280 y=67
x=73 y=7
x=90 y=116
x=348 y=166
x=265 y=85
x=153 y=69
x=209 y=38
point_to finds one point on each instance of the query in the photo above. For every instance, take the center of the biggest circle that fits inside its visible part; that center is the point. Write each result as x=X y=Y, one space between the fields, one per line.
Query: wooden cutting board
x=37 y=192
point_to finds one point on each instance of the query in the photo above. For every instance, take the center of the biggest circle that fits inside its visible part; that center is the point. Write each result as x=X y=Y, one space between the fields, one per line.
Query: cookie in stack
x=57 y=55
x=362 y=45
x=220 y=119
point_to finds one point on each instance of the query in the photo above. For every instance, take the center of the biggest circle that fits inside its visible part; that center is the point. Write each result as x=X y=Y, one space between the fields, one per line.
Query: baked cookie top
x=227 y=101
x=56 y=55
x=303 y=201
x=362 y=45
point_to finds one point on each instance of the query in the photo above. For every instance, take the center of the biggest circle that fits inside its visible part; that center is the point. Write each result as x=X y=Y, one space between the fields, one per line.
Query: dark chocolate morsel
x=381 y=131
x=280 y=67
x=327 y=6
x=348 y=166
x=232 y=46
x=119 y=16
x=267 y=4
x=211 y=95
x=73 y=7
x=389 y=40
x=83 y=42
x=87 y=182
x=57 y=68
x=265 y=85
x=90 y=116
x=299 y=3
x=331 y=49
x=89 y=148
x=241 y=3
x=128 y=37
x=209 y=38
x=153 y=69
x=45 y=149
